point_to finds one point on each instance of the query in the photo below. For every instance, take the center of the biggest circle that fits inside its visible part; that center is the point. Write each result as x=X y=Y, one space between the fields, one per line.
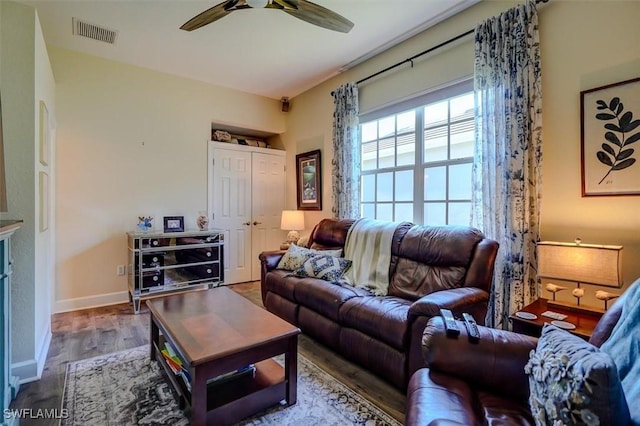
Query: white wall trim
x=67 y=305
x=26 y=371
x=31 y=370
x=43 y=350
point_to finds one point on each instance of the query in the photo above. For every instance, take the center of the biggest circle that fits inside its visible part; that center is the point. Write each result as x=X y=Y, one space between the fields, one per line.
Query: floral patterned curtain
x=345 y=166
x=507 y=160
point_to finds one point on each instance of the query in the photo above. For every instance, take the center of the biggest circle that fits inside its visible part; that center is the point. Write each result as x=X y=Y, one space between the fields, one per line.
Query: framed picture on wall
x=44 y=134
x=44 y=201
x=610 y=131
x=309 y=180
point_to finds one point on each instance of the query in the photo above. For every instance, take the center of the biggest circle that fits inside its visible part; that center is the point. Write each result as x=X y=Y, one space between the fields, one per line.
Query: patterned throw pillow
x=296 y=256
x=325 y=267
x=572 y=382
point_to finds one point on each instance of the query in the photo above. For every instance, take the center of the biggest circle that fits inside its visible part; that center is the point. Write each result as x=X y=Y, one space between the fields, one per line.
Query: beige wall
x=584 y=44
x=26 y=79
x=130 y=141
x=309 y=125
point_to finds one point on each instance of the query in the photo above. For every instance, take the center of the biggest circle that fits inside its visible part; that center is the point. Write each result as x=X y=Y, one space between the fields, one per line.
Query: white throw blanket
x=368 y=246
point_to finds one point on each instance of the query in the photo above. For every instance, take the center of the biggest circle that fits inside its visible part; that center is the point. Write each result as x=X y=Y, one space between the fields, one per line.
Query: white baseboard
x=43 y=350
x=26 y=371
x=67 y=305
x=31 y=369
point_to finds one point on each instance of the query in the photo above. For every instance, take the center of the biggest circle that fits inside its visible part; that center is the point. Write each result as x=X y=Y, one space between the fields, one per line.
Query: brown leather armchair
x=480 y=383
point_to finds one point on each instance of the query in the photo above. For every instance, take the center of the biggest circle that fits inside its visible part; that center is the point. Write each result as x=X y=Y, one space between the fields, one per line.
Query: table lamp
x=582 y=263
x=292 y=221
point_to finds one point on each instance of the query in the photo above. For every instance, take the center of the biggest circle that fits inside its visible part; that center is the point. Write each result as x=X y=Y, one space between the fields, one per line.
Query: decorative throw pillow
x=325 y=267
x=572 y=382
x=296 y=256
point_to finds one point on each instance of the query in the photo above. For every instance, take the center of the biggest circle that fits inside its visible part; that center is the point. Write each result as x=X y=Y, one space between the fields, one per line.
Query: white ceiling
x=260 y=51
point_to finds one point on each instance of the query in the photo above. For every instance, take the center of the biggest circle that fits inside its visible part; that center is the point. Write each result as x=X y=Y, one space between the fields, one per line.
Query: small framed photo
x=44 y=201
x=44 y=134
x=173 y=223
x=610 y=130
x=309 y=180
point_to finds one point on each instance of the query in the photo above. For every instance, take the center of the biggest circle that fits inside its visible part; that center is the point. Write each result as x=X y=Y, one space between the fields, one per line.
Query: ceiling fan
x=301 y=9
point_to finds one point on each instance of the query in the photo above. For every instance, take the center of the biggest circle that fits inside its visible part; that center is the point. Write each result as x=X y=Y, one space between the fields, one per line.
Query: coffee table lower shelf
x=217 y=331
x=235 y=399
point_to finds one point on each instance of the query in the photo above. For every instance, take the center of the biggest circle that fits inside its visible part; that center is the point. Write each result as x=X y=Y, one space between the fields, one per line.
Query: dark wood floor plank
x=91 y=332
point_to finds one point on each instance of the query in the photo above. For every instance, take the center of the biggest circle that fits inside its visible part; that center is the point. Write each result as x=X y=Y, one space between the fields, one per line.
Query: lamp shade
x=292 y=220
x=582 y=263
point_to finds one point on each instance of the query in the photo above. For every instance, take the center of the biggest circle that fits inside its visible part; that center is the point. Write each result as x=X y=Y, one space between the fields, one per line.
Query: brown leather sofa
x=431 y=267
x=480 y=383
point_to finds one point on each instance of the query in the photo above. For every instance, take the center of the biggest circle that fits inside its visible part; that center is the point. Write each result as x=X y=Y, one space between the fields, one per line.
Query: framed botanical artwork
x=44 y=134
x=309 y=180
x=610 y=130
x=173 y=223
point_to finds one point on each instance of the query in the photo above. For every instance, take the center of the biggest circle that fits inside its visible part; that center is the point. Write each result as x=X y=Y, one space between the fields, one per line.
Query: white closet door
x=231 y=206
x=268 y=188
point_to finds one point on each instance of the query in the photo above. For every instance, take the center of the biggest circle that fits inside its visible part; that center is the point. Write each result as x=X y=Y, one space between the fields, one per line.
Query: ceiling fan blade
x=210 y=15
x=284 y=4
x=317 y=15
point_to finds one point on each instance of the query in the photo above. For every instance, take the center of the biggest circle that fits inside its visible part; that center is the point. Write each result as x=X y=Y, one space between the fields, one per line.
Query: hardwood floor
x=92 y=332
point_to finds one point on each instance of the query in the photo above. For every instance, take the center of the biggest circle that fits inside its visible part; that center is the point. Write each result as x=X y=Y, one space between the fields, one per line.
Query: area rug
x=127 y=388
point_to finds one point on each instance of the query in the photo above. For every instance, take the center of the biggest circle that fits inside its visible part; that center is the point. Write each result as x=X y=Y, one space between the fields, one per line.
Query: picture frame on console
x=173 y=223
x=609 y=133
x=309 y=180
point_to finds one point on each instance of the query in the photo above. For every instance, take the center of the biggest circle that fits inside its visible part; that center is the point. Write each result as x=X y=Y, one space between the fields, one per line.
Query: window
x=417 y=159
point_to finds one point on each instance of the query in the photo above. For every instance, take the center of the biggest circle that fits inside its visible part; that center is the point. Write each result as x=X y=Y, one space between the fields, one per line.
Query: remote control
x=472 y=327
x=450 y=324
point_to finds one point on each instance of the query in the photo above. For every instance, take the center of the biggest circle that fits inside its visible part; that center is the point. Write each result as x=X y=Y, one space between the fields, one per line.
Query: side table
x=584 y=321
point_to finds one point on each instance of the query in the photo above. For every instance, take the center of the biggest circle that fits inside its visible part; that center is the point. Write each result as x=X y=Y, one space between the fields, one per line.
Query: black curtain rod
x=444 y=43
x=424 y=52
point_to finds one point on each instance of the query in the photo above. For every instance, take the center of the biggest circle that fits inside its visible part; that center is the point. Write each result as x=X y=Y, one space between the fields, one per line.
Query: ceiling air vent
x=94 y=32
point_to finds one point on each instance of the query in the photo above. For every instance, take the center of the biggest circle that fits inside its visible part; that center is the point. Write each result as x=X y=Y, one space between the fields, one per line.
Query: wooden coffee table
x=217 y=331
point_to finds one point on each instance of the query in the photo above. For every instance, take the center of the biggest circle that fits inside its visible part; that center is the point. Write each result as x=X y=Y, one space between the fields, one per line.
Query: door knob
x=247 y=223
x=257 y=223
